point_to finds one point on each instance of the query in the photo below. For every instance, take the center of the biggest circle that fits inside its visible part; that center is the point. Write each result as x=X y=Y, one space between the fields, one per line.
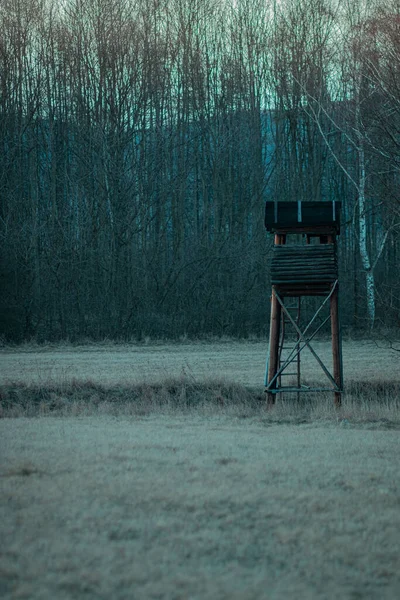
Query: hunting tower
x=305 y=268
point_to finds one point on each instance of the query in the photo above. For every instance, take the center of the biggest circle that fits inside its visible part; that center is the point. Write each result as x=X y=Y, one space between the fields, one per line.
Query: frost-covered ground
x=200 y=507
x=186 y=488
x=237 y=361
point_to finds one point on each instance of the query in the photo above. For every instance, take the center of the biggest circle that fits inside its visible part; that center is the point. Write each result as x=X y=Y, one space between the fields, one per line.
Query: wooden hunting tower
x=298 y=269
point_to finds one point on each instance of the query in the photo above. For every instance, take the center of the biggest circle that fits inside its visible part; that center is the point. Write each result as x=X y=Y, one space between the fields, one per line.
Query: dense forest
x=140 y=140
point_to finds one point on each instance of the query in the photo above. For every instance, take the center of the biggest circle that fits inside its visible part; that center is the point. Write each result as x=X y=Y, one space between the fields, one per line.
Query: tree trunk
x=362 y=229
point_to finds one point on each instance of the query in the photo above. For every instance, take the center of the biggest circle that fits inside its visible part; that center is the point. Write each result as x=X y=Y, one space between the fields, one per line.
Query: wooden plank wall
x=304 y=264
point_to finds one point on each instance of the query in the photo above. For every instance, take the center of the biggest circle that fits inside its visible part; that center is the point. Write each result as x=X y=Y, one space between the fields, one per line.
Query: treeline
x=140 y=139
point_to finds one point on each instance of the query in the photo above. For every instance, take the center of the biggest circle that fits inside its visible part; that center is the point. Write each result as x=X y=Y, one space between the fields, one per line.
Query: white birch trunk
x=362 y=224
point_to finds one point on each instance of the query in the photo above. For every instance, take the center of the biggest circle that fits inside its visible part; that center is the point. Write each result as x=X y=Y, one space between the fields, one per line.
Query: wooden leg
x=274 y=332
x=336 y=345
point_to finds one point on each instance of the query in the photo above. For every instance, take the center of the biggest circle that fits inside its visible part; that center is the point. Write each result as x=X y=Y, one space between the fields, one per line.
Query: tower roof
x=303 y=217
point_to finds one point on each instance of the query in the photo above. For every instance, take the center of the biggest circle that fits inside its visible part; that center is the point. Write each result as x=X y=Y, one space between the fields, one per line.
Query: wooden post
x=274 y=334
x=299 y=354
x=336 y=344
x=274 y=331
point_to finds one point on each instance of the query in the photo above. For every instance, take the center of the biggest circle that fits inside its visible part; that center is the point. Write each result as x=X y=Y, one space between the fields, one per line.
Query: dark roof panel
x=305 y=216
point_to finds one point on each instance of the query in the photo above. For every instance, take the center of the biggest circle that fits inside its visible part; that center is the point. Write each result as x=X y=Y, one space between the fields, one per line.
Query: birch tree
x=355 y=127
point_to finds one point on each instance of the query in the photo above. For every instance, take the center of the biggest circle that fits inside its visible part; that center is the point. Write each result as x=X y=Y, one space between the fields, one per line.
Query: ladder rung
x=279 y=390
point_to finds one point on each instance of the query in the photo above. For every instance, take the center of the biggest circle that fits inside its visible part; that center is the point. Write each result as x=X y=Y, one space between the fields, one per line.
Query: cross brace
x=276 y=367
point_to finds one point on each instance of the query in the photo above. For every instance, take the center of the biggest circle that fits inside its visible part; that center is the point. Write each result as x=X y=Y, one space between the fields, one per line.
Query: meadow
x=240 y=362
x=156 y=471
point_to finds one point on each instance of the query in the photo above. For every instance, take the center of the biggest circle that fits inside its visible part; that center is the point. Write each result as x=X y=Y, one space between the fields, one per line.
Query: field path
x=241 y=362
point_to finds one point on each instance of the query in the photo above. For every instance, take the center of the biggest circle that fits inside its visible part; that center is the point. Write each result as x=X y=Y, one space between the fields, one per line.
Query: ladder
x=289 y=364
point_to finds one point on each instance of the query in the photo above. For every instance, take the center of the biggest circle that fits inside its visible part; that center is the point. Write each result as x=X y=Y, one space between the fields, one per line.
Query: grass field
x=156 y=472
x=238 y=362
x=197 y=507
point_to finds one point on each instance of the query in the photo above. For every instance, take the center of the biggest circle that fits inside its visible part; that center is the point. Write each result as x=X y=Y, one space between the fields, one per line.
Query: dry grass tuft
x=87 y=397
x=374 y=403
